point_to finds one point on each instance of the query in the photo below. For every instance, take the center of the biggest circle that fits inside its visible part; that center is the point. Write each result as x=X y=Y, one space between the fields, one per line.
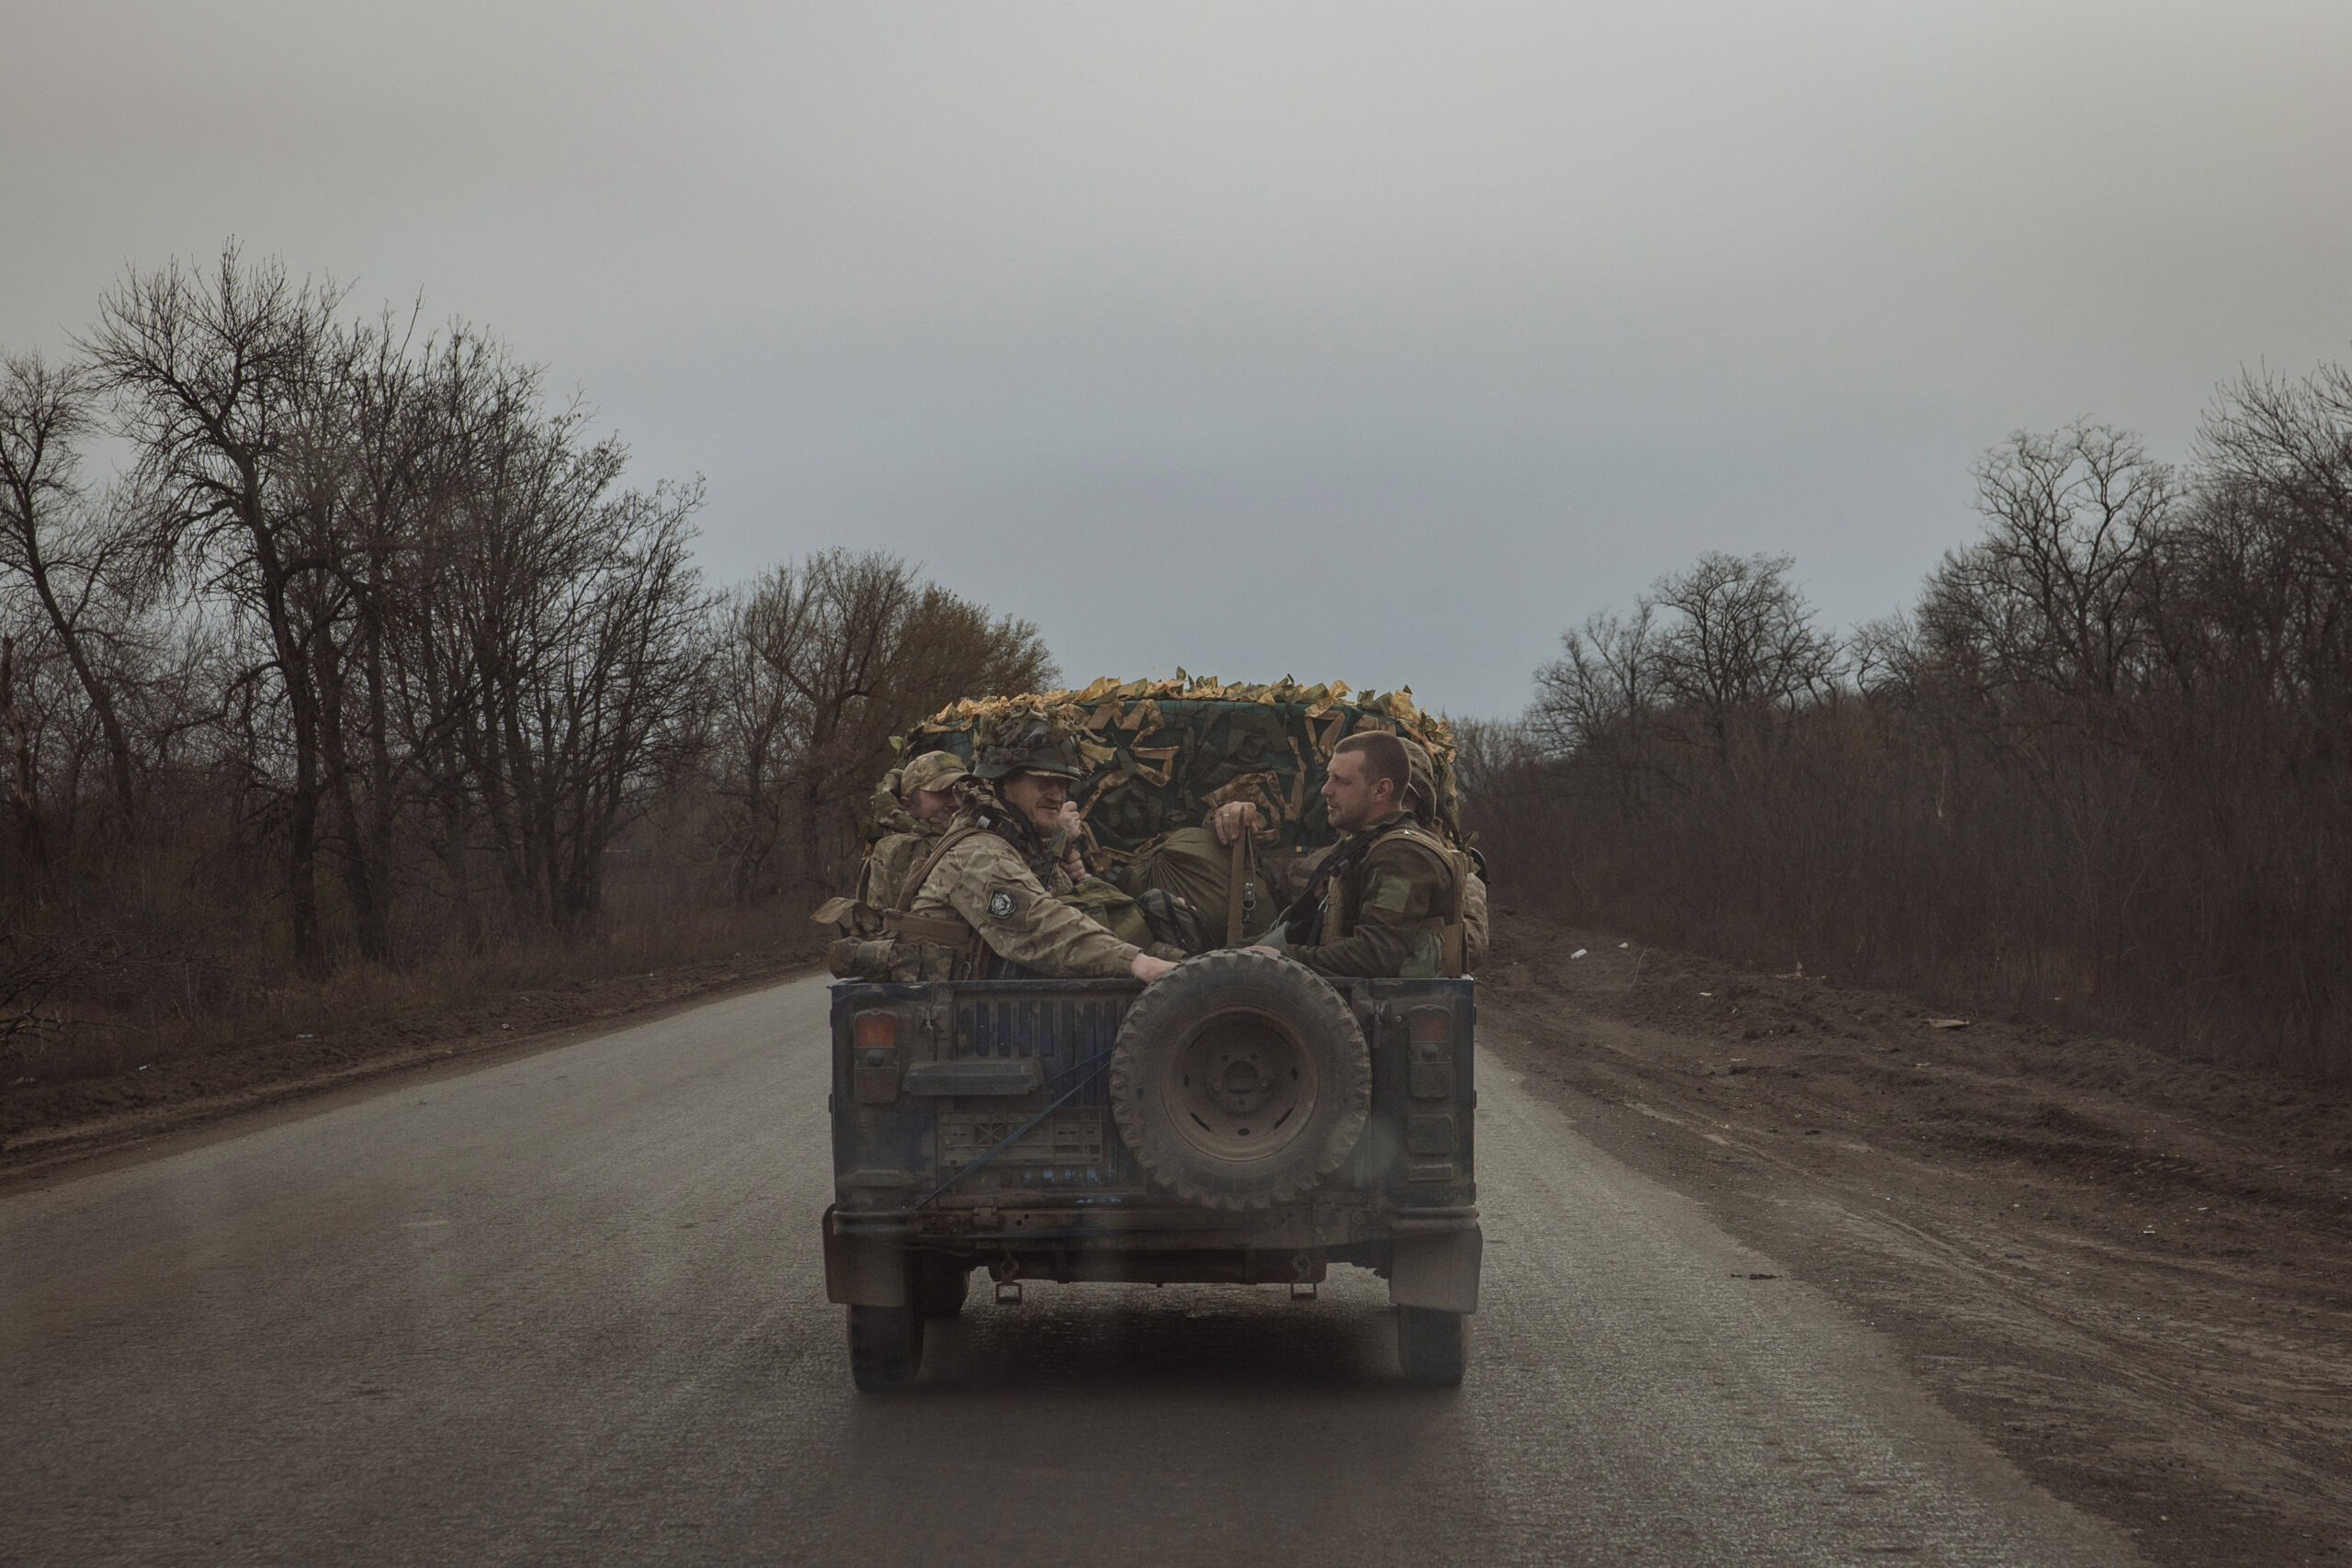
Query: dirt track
x=2130 y=1273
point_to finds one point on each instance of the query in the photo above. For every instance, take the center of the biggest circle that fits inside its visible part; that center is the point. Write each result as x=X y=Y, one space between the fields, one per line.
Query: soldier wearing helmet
x=990 y=880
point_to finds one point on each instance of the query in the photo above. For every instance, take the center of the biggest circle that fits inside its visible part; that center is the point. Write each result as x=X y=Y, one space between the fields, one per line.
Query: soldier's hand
x=1262 y=947
x=1233 y=817
x=1075 y=864
x=1147 y=968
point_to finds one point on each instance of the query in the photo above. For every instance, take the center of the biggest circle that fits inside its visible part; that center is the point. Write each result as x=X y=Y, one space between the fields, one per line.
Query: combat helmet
x=1030 y=743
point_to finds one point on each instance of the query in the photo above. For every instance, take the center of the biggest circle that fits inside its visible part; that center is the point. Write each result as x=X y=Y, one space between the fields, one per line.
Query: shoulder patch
x=1389 y=892
x=1001 y=903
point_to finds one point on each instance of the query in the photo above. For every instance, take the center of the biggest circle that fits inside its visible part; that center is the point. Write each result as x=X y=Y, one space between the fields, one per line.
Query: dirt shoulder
x=2131 y=1272
x=44 y=1125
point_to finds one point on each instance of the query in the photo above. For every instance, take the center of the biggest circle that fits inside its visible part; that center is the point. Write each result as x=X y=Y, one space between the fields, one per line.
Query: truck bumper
x=1431 y=1257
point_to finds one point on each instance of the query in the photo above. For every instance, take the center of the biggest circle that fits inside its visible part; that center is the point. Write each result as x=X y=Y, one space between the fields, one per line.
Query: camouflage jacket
x=887 y=863
x=1394 y=907
x=984 y=883
x=1475 y=941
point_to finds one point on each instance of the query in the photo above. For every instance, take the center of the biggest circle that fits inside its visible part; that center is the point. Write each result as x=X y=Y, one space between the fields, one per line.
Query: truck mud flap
x=864 y=1270
x=1437 y=1270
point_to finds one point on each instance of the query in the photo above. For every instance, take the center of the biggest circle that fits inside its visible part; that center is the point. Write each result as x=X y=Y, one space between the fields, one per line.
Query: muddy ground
x=47 y=1121
x=2133 y=1274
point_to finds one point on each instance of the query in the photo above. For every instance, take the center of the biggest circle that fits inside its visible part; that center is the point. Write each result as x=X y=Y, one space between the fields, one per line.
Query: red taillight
x=874 y=1059
x=1429 y=1026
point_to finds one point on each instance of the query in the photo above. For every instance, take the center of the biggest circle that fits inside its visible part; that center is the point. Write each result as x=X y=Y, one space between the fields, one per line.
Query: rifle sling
x=1241 y=887
x=922 y=873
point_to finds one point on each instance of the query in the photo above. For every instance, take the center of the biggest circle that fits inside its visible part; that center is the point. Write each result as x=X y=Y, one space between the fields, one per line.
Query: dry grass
x=2206 y=910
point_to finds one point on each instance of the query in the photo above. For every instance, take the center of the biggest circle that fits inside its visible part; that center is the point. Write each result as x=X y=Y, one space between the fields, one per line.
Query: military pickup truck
x=1241 y=1121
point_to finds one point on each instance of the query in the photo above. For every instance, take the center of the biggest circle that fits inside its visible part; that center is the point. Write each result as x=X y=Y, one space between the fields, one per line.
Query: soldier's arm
x=989 y=885
x=1401 y=886
x=1474 y=935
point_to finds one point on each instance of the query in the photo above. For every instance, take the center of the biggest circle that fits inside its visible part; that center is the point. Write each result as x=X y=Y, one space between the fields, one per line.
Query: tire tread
x=885 y=1347
x=1225 y=970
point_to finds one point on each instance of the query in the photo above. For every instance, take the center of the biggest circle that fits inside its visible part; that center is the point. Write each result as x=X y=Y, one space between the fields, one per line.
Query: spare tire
x=1240 y=1080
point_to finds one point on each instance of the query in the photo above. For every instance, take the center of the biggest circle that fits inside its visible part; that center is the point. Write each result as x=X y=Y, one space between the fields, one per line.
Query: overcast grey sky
x=1357 y=341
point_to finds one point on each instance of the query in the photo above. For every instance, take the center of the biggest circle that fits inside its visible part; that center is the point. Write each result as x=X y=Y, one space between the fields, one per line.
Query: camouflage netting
x=1158 y=753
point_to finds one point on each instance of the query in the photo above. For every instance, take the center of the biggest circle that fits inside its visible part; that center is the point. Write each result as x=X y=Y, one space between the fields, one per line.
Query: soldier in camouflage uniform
x=923 y=793
x=1422 y=800
x=993 y=879
x=1390 y=900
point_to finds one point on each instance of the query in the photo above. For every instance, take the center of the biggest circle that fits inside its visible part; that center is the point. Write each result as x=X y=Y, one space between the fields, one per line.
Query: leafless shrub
x=2097 y=772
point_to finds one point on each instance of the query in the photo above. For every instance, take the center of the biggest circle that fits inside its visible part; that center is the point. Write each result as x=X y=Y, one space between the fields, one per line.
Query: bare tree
x=829 y=658
x=1742 y=646
x=1598 y=703
x=1605 y=676
x=2056 y=595
x=481 y=471
x=2270 y=540
x=561 y=648
x=23 y=771
x=214 y=376
x=65 y=558
x=605 y=721
x=1501 y=772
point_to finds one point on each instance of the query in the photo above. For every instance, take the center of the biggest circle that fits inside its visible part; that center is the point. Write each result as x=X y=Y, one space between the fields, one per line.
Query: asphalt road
x=569 y=1308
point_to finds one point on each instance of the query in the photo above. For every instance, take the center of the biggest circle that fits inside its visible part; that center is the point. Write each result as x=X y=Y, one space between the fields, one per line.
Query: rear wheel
x=885 y=1347
x=937 y=1284
x=1433 y=1345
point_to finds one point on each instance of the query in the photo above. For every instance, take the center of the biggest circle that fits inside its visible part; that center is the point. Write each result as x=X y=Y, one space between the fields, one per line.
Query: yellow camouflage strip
x=1149 y=768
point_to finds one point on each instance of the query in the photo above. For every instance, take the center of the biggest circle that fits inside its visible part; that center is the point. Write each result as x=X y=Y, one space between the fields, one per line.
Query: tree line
x=2100 y=771
x=327 y=638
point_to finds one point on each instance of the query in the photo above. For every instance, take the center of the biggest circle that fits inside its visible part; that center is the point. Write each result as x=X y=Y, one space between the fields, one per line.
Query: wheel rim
x=1241 y=1088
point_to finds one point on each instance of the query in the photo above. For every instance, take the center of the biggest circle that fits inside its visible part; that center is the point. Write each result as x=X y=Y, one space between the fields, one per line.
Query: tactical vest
x=1446 y=952
x=890 y=858
x=894 y=945
x=890 y=943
